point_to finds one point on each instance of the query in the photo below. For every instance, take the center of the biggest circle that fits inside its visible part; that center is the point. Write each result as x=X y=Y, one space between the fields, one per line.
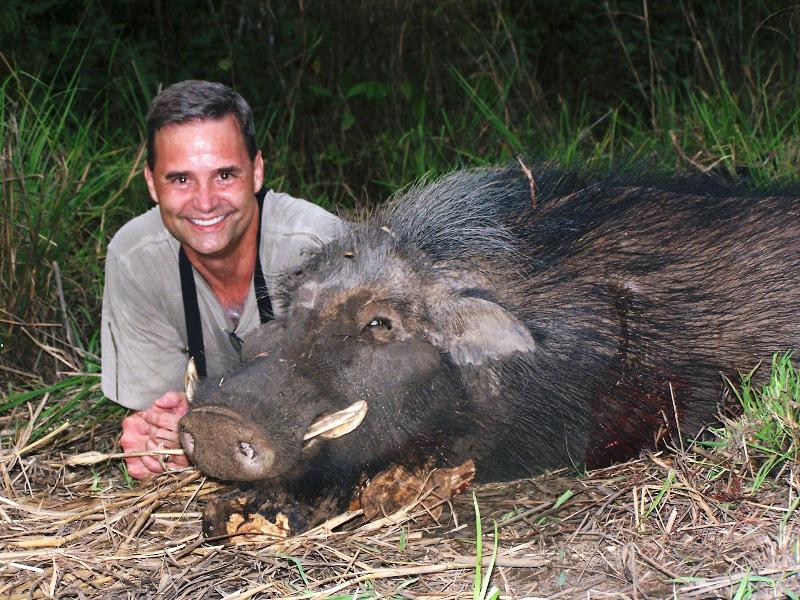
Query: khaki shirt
x=143 y=336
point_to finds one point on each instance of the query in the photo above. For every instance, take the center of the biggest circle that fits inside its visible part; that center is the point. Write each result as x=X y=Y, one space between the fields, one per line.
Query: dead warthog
x=523 y=322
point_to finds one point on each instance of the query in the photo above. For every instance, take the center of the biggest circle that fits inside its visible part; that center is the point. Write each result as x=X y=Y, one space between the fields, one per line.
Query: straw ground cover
x=717 y=518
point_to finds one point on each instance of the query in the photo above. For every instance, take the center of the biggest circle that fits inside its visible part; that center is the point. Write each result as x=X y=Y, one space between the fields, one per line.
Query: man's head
x=192 y=100
x=203 y=169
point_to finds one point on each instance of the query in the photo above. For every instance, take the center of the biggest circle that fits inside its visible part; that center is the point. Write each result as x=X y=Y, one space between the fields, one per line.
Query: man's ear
x=258 y=171
x=151 y=186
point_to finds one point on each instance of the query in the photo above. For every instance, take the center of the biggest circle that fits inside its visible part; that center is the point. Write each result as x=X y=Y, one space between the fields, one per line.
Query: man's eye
x=225 y=175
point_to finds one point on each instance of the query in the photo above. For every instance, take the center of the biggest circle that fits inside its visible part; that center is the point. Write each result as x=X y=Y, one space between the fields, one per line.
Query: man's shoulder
x=285 y=214
x=143 y=234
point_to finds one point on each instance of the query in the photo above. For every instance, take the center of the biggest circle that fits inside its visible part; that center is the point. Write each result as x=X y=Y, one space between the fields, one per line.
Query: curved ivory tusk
x=337 y=424
x=190 y=380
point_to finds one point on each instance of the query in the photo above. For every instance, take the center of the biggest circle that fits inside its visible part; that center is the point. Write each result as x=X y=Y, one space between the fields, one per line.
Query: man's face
x=204 y=184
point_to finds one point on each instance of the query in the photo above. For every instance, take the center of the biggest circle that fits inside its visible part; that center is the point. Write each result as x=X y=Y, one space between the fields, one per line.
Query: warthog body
x=523 y=326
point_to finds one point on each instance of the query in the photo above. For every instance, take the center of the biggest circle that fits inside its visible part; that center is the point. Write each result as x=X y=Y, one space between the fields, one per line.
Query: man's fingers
x=146 y=467
x=168 y=438
x=152 y=464
x=155 y=462
x=135 y=424
x=132 y=442
x=138 y=469
x=173 y=402
x=177 y=461
x=162 y=419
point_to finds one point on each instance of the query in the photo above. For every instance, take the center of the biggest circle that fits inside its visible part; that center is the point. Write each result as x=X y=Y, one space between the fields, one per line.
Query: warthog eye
x=380 y=322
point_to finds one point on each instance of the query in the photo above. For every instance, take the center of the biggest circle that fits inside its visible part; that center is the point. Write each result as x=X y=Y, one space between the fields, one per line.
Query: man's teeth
x=207 y=222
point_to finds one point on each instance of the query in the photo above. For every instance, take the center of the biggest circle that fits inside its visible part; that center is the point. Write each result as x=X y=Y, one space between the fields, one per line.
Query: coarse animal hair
x=464 y=224
x=521 y=320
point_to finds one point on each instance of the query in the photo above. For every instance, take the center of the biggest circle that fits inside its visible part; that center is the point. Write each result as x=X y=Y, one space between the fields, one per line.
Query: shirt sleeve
x=143 y=355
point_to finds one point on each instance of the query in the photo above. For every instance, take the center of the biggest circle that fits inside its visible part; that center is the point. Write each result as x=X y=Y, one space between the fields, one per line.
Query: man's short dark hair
x=193 y=100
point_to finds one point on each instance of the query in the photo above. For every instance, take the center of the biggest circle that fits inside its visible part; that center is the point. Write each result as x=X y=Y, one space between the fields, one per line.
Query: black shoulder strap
x=191 y=309
x=191 y=312
x=259 y=281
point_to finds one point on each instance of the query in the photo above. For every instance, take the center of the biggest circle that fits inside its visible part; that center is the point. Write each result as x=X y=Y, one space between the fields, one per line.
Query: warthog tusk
x=190 y=380
x=337 y=424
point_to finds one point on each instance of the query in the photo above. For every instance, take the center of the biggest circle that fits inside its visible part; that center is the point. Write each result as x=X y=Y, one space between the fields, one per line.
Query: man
x=191 y=276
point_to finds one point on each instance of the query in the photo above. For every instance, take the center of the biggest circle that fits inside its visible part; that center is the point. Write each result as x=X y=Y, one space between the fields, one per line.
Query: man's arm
x=142 y=350
x=142 y=355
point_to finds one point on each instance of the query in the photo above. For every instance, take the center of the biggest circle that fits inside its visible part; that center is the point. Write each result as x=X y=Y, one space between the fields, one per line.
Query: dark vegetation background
x=354 y=100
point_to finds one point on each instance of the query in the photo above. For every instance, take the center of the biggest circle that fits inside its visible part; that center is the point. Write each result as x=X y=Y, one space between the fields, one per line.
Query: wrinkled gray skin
x=476 y=325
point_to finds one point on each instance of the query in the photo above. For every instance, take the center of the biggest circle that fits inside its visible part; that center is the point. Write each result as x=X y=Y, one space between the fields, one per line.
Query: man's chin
x=207 y=251
x=209 y=244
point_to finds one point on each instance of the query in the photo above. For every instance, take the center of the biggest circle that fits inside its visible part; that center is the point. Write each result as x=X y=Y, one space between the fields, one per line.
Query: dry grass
x=679 y=524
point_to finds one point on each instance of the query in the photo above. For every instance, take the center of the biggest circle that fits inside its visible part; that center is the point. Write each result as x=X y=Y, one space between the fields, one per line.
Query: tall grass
x=69 y=180
x=63 y=186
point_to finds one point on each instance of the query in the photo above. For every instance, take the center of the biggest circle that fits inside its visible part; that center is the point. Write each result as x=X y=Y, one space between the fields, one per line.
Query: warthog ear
x=190 y=380
x=474 y=331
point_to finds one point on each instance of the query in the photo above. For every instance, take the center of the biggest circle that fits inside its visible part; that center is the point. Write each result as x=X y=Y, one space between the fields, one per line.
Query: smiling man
x=191 y=277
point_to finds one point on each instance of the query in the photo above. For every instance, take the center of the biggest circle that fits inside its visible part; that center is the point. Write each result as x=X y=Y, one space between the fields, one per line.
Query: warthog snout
x=222 y=444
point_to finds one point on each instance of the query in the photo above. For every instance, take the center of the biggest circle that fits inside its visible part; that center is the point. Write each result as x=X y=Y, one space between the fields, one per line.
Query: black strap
x=191 y=312
x=191 y=309
x=259 y=282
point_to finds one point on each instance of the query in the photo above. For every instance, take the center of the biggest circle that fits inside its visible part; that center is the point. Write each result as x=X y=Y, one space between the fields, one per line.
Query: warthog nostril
x=247 y=449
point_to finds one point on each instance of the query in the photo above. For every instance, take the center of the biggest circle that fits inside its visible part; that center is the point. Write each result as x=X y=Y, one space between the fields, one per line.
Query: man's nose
x=205 y=199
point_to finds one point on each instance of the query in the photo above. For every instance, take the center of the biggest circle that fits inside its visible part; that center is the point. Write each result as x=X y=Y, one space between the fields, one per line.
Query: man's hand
x=154 y=429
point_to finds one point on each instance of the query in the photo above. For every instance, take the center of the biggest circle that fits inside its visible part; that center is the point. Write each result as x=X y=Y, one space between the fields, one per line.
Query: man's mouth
x=207 y=222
